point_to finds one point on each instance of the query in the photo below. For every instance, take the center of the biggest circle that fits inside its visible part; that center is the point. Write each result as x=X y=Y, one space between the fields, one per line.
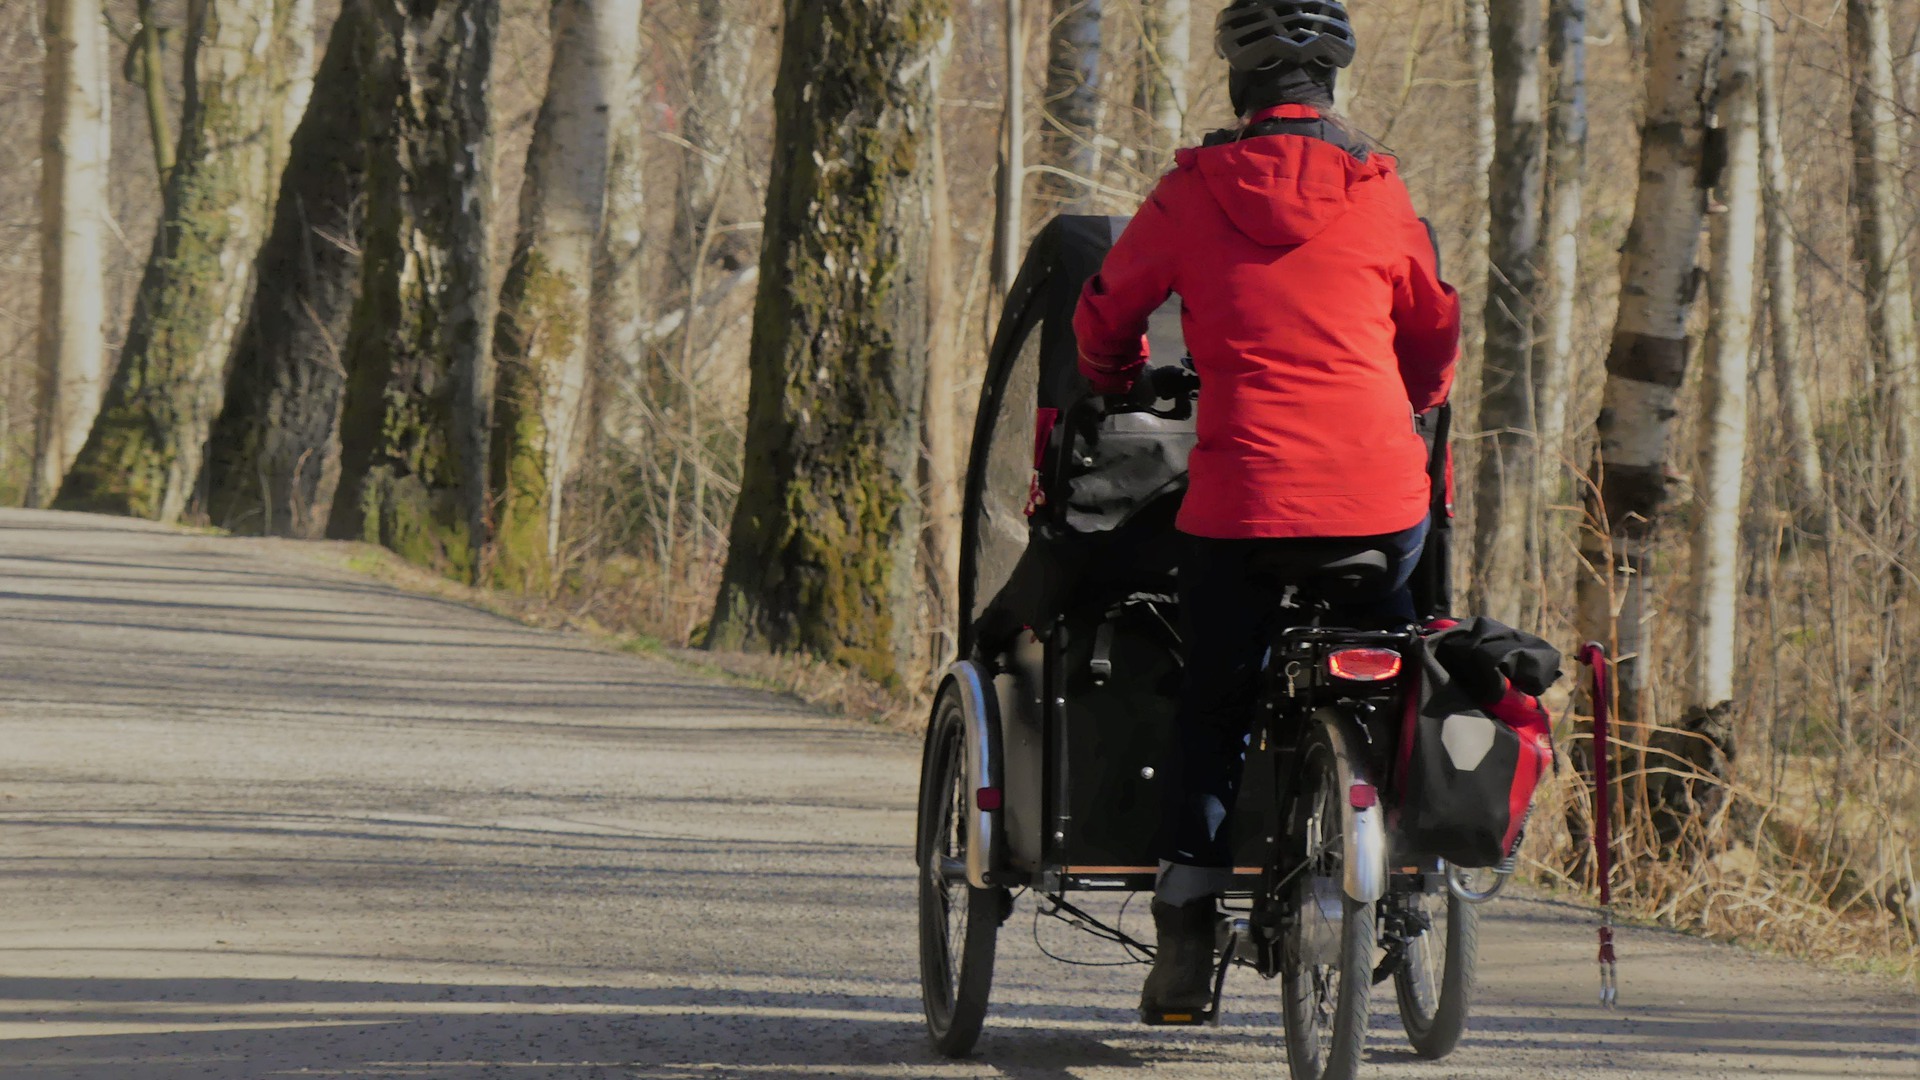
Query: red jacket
x=1316 y=317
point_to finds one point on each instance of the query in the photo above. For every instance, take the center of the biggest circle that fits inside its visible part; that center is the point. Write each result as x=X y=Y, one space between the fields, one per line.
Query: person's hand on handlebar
x=1155 y=385
x=1173 y=381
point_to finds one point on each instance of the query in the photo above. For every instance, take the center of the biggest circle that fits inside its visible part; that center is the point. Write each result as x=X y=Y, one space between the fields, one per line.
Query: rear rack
x=1320 y=635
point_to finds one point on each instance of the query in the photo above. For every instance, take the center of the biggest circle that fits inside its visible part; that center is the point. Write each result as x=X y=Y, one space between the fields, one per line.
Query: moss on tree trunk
x=413 y=424
x=824 y=533
x=274 y=460
x=143 y=455
x=540 y=342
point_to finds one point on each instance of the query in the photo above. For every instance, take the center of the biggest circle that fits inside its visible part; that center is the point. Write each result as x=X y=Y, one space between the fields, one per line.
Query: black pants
x=1228 y=614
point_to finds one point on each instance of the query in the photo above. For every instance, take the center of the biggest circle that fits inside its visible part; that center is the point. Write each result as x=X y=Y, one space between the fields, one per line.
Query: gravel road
x=262 y=817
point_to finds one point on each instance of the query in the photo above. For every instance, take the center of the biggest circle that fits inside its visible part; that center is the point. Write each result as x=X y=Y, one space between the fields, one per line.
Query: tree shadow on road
x=229 y=1029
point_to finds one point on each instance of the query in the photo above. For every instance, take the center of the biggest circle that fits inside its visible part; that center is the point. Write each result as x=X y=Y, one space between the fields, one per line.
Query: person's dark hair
x=1252 y=91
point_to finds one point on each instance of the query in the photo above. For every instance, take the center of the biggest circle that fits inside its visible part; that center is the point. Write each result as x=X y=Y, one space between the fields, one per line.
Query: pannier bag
x=1476 y=743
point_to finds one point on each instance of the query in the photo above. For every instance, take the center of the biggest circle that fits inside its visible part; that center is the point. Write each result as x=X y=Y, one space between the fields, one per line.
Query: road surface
x=262 y=817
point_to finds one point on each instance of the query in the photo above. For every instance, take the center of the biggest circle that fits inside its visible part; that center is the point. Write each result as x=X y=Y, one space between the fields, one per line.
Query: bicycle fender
x=1365 y=879
x=980 y=708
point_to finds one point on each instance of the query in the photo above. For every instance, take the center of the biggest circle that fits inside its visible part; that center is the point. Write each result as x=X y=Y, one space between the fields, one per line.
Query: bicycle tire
x=1434 y=1032
x=956 y=977
x=1325 y=758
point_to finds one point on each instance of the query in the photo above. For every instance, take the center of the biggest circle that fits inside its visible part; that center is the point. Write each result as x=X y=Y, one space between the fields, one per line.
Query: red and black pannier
x=1476 y=742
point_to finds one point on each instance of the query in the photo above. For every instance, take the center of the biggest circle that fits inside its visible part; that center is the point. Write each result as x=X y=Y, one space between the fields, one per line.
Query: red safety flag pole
x=1594 y=655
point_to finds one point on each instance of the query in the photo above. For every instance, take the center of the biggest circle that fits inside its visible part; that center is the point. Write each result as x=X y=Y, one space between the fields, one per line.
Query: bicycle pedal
x=1171 y=1018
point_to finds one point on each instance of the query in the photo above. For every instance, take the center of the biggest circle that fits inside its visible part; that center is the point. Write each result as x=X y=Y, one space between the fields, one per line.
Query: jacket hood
x=1284 y=190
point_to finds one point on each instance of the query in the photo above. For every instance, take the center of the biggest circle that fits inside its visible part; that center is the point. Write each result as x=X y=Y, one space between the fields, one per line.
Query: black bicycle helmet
x=1256 y=35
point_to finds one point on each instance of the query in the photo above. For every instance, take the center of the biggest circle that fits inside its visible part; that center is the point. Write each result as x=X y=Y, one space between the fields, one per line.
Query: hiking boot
x=1180 y=987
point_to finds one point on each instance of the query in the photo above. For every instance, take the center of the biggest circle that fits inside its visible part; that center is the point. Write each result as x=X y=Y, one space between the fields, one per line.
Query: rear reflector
x=1363 y=665
x=987 y=798
x=1362 y=796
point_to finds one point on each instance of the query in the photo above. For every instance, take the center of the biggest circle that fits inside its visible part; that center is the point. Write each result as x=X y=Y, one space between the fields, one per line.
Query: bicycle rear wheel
x=1434 y=983
x=1327 y=981
x=958 y=923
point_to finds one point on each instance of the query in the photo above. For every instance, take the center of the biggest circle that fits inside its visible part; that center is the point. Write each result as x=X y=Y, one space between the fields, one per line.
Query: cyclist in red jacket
x=1318 y=323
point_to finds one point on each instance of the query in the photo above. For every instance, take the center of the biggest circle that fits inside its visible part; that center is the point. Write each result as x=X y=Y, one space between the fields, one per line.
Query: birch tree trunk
x=143 y=456
x=1477 y=275
x=541 y=339
x=1734 y=246
x=1508 y=412
x=826 y=526
x=1553 y=369
x=1010 y=204
x=717 y=105
x=75 y=155
x=1634 y=27
x=940 y=431
x=274 y=459
x=1647 y=360
x=1069 y=142
x=413 y=426
x=1783 y=290
x=619 y=303
x=295 y=60
x=1884 y=228
x=1168 y=48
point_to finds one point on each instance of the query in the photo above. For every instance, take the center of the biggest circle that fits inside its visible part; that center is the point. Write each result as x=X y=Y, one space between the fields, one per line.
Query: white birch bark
x=722 y=60
x=1884 y=228
x=1648 y=358
x=1474 y=279
x=541 y=345
x=144 y=454
x=1168 y=27
x=1010 y=231
x=1724 y=373
x=1508 y=412
x=620 y=322
x=939 y=430
x=75 y=149
x=1783 y=288
x=1633 y=24
x=1567 y=158
x=297 y=44
x=1069 y=142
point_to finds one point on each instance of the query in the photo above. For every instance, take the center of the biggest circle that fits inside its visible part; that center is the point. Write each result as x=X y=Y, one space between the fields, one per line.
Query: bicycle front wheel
x=1327 y=979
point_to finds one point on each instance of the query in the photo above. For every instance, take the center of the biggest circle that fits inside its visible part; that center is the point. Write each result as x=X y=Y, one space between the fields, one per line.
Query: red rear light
x=1363 y=665
x=987 y=798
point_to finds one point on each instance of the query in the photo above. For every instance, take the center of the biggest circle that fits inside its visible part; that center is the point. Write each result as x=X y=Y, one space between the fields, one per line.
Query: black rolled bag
x=1476 y=741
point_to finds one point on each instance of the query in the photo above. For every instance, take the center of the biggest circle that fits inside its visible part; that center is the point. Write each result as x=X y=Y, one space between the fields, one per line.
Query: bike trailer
x=1476 y=742
x=1068 y=557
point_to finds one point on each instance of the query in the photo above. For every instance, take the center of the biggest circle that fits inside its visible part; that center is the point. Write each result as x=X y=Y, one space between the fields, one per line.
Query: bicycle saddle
x=1333 y=574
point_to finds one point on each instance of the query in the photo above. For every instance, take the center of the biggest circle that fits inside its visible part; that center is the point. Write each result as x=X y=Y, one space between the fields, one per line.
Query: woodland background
x=532 y=362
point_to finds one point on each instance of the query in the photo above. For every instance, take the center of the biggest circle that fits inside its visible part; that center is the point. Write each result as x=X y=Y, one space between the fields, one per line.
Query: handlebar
x=1157 y=384
x=1173 y=381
